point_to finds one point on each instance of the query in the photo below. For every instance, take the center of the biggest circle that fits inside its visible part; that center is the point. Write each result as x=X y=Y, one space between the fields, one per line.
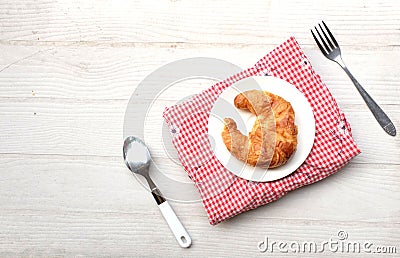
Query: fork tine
x=326 y=37
x=319 y=44
x=323 y=41
x=330 y=34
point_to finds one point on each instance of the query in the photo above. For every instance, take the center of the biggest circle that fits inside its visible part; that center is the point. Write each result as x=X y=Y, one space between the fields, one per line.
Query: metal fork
x=331 y=50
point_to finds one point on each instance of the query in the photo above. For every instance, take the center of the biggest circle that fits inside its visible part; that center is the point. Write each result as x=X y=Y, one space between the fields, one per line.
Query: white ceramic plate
x=224 y=107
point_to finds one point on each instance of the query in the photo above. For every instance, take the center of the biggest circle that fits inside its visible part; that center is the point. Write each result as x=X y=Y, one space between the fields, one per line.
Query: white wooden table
x=68 y=69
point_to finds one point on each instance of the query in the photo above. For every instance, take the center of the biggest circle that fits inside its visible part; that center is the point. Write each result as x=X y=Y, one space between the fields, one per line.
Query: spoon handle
x=157 y=196
x=175 y=225
x=154 y=190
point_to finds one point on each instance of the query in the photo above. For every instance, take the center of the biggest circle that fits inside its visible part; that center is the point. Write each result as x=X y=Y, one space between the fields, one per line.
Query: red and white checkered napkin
x=225 y=195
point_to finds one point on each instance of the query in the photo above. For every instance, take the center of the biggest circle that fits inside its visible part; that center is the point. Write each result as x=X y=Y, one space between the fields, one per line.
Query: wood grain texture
x=46 y=126
x=113 y=73
x=111 y=209
x=205 y=22
x=67 y=71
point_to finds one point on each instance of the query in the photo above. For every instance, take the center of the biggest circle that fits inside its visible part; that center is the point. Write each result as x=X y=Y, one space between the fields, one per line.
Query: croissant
x=266 y=145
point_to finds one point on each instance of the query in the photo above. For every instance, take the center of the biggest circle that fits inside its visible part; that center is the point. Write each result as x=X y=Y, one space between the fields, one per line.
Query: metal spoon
x=137 y=159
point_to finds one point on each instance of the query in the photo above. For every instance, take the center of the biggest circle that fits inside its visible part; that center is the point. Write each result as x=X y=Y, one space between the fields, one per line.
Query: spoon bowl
x=136 y=155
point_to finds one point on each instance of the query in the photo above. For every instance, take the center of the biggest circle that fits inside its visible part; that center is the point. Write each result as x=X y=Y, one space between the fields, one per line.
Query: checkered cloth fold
x=225 y=195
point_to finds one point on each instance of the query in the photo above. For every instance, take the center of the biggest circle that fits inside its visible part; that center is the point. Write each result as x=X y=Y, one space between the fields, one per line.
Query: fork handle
x=378 y=113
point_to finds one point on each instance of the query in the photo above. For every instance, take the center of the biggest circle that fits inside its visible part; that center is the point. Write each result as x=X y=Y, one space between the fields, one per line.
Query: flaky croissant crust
x=266 y=145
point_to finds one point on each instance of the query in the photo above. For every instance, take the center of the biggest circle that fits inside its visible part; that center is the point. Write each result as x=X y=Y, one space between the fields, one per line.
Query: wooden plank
x=108 y=234
x=45 y=127
x=210 y=22
x=75 y=183
x=137 y=234
x=108 y=73
x=79 y=184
